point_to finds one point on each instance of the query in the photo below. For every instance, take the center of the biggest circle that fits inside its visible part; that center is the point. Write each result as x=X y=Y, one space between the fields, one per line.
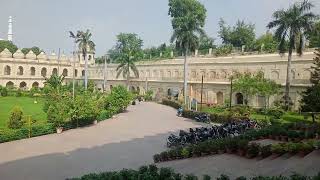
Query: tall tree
x=85 y=44
x=311 y=97
x=314 y=36
x=292 y=25
x=188 y=19
x=128 y=50
x=9 y=45
x=240 y=34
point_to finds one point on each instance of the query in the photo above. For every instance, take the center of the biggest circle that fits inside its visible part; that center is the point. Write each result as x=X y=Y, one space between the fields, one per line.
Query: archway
x=83 y=73
x=23 y=85
x=9 y=84
x=32 y=71
x=239 y=98
x=35 y=85
x=75 y=73
x=7 y=70
x=44 y=72
x=220 y=98
x=65 y=72
x=54 y=71
x=20 y=71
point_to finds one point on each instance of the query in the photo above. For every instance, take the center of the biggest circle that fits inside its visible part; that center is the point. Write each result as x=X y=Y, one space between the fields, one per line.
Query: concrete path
x=127 y=141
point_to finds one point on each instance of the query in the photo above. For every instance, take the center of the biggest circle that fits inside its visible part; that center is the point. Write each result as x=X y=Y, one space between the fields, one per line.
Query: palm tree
x=75 y=37
x=186 y=40
x=129 y=51
x=292 y=25
x=188 y=19
x=85 y=44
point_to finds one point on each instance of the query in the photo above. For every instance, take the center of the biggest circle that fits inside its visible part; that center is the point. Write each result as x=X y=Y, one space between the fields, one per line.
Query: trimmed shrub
x=15 y=119
x=173 y=104
x=104 y=114
x=4 y=91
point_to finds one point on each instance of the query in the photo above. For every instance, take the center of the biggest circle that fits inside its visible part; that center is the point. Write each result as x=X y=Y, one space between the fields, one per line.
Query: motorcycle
x=202 y=118
x=179 y=113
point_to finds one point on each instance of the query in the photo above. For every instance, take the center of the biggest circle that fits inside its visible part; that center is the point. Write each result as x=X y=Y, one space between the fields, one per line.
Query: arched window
x=239 y=98
x=274 y=75
x=23 y=85
x=44 y=72
x=219 y=98
x=75 y=73
x=20 y=71
x=54 y=71
x=7 y=70
x=90 y=57
x=9 y=84
x=83 y=73
x=32 y=71
x=65 y=72
x=35 y=85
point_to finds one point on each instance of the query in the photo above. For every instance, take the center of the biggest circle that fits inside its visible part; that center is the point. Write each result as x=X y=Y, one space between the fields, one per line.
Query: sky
x=46 y=23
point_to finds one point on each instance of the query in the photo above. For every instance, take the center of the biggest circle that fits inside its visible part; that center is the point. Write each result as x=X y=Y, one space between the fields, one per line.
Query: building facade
x=162 y=77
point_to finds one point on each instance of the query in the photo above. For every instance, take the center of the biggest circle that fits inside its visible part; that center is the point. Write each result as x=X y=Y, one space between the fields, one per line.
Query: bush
x=148 y=95
x=118 y=100
x=4 y=91
x=15 y=119
x=276 y=113
x=19 y=93
x=265 y=151
x=104 y=114
x=253 y=150
x=173 y=104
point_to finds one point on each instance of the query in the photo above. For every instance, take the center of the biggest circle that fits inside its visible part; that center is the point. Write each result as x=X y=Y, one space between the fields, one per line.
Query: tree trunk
x=128 y=78
x=288 y=79
x=85 y=72
x=185 y=77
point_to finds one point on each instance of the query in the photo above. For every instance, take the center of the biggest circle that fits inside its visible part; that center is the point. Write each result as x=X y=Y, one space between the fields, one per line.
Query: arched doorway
x=10 y=84
x=23 y=85
x=7 y=70
x=44 y=72
x=35 y=85
x=220 y=98
x=55 y=71
x=239 y=98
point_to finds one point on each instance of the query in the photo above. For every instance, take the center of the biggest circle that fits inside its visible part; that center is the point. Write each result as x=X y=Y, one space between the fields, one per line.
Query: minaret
x=10 y=34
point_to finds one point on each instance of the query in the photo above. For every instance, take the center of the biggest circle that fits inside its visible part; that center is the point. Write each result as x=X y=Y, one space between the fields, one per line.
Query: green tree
x=9 y=45
x=55 y=81
x=85 y=44
x=238 y=35
x=314 y=36
x=255 y=84
x=129 y=51
x=36 y=50
x=15 y=119
x=311 y=97
x=292 y=25
x=206 y=42
x=266 y=43
x=188 y=19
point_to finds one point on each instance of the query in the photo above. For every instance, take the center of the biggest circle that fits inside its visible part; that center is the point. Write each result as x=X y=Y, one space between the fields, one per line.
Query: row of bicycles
x=195 y=135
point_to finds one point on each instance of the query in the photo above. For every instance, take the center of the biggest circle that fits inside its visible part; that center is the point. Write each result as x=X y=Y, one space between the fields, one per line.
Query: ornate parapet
x=6 y=53
x=18 y=54
x=31 y=55
x=42 y=56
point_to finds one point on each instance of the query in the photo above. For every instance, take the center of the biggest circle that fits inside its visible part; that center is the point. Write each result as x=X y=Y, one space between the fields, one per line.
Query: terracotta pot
x=59 y=130
x=241 y=152
x=95 y=122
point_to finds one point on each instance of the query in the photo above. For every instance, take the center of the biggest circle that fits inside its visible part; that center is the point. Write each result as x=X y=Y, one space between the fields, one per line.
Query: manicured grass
x=288 y=117
x=28 y=107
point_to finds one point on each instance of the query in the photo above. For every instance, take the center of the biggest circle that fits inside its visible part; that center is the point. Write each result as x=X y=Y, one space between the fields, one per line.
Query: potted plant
x=253 y=150
x=265 y=151
x=156 y=158
x=278 y=149
x=242 y=147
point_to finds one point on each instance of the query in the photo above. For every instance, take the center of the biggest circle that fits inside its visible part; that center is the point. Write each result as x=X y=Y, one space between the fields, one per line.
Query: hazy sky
x=45 y=23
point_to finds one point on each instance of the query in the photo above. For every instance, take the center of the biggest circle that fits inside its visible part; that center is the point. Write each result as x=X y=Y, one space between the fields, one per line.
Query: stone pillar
x=243 y=48
x=171 y=54
x=160 y=54
x=196 y=53
x=210 y=52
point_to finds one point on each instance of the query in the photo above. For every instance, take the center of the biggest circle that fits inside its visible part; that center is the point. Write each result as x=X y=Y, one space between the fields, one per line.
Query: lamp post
x=231 y=84
x=105 y=73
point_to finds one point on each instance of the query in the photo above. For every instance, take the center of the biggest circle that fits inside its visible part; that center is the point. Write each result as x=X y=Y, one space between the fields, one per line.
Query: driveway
x=128 y=140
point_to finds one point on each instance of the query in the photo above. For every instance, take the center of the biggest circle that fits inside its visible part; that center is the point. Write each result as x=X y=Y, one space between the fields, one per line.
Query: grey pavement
x=128 y=140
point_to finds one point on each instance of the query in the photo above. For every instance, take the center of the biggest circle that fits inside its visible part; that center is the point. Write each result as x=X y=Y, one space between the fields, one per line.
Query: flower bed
x=155 y=173
x=241 y=146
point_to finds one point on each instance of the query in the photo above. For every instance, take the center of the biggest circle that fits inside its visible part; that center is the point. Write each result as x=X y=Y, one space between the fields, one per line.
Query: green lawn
x=286 y=118
x=28 y=106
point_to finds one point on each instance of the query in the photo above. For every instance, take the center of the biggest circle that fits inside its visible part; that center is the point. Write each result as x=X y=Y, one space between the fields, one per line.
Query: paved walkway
x=127 y=141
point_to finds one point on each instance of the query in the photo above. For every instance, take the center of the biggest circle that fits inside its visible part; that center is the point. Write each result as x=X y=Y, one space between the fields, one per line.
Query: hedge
x=216 y=118
x=152 y=172
x=22 y=133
